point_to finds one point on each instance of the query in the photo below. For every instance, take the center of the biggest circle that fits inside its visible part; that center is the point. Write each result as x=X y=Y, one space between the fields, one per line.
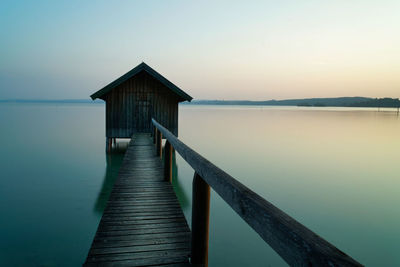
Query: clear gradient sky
x=211 y=49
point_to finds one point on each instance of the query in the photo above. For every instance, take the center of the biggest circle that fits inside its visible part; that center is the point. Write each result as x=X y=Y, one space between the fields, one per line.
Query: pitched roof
x=139 y=68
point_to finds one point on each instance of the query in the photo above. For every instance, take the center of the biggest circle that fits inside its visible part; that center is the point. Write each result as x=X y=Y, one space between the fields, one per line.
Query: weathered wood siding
x=131 y=105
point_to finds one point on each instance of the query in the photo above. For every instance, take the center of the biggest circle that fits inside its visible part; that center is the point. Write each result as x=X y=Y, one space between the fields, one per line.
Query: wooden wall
x=131 y=105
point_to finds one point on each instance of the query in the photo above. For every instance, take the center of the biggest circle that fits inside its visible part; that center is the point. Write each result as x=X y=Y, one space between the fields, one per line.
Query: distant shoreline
x=306 y=102
x=59 y=101
x=309 y=102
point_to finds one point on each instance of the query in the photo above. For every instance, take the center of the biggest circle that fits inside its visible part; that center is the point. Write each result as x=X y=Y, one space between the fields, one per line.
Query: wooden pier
x=142 y=223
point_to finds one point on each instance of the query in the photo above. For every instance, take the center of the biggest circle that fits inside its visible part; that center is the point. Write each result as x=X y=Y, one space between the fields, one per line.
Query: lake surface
x=336 y=170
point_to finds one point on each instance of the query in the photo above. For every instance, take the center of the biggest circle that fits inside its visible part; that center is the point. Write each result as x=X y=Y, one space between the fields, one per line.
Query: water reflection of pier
x=113 y=163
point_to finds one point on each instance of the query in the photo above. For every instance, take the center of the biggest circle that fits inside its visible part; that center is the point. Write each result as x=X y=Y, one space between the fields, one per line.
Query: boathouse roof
x=138 y=69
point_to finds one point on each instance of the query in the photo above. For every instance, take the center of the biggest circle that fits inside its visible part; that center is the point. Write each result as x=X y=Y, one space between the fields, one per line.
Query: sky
x=254 y=50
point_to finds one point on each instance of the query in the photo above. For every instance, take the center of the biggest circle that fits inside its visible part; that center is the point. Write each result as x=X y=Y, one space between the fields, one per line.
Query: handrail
x=295 y=243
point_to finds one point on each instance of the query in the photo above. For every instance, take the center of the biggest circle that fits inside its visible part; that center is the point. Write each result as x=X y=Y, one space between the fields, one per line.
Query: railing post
x=159 y=143
x=168 y=162
x=200 y=221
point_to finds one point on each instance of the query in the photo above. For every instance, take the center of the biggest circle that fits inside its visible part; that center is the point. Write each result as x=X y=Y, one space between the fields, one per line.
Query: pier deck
x=142 y=224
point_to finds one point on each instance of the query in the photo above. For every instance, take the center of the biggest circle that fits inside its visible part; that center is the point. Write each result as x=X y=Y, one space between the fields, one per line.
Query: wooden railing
x=294 y=242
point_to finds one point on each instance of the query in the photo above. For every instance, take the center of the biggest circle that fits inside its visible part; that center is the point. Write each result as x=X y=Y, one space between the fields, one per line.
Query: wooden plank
x=122 y=203
x=142 y=208
x=136 y=215
x=141 y=194
x=140 y=248
x=144 y=205
x=106 y=217
x=137 y=241
x=170 y=236
x=143 y=223
x=136 y=230
x=144 y=202
x=171 y=224
x=140 y=255
x=163 y=260
x=138 y=210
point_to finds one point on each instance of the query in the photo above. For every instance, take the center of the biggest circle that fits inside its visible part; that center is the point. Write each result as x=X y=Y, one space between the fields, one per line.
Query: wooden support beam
x=108 y=145
x=200 y=221
x=155 y=136
x=159 y=144
x=168 y=162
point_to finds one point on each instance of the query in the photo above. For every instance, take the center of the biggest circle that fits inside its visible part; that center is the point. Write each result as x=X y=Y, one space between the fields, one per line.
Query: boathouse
x=135 y=98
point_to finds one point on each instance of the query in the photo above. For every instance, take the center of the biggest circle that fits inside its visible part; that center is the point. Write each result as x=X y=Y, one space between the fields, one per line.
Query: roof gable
x=139 y=68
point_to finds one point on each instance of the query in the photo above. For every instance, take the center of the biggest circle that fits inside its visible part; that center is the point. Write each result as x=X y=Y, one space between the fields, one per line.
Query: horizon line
x=89 y=100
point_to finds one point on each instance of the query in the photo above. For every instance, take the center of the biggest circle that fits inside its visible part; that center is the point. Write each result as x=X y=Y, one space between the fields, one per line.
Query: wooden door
x=143 y=116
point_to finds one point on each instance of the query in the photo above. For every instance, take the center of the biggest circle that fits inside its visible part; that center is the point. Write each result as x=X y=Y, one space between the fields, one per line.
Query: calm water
x=336 y=170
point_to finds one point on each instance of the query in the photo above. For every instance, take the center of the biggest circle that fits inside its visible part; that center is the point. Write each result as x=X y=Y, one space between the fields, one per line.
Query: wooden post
x=159 y=144
x=155 y=136
x=108 y=144
x=168 y=162
x=200 y=221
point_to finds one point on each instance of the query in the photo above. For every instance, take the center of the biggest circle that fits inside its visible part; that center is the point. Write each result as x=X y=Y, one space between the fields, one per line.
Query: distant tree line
x=310 y=102
x=311 y=105
x=379 y=102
